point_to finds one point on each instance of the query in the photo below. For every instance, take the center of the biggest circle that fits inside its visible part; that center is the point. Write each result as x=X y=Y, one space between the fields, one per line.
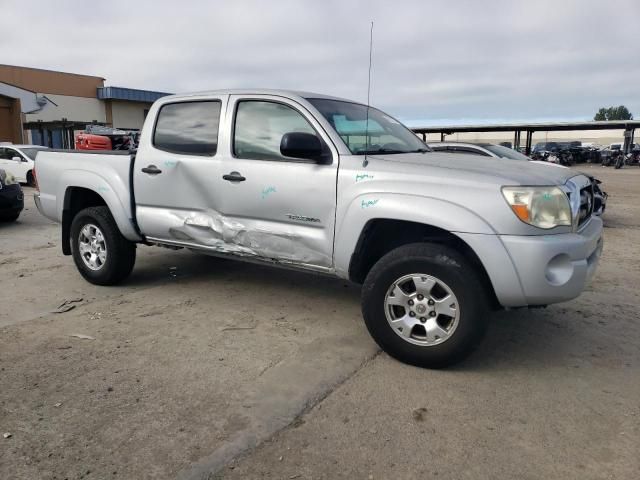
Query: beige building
x=45 y=107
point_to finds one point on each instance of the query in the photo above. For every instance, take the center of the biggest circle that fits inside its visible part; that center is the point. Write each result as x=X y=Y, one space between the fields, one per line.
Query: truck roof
x=257 y=91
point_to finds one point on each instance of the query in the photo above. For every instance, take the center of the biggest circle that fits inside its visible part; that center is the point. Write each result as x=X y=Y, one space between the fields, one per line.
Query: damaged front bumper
x=556 y=268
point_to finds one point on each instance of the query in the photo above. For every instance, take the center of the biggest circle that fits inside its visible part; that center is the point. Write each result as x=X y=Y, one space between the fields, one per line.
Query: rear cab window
x=189 y=128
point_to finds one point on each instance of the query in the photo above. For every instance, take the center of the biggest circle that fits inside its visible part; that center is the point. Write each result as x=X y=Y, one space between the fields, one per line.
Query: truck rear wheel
x=103 y=256
x=425 y=305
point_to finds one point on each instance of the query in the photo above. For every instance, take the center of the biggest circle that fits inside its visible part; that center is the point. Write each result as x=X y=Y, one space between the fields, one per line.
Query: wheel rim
x=422 y=309
x=92 y=247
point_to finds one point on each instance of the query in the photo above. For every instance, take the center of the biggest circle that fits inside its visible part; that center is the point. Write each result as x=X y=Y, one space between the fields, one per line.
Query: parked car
x=633 y=157
x=318 y=183
x=482 y=149
x=593 y=153
x=498 y=151
x=562 y=153
x=546 y=147
x=19 y=160
x=612 y=155
x=11 y=197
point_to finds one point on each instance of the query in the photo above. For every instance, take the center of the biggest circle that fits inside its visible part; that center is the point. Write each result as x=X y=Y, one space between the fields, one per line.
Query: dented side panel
x=283 y=211
x=265 y=240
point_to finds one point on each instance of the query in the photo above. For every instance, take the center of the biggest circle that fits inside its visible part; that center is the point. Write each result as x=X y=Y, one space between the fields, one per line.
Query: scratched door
x=278 y=207
x=177 y=171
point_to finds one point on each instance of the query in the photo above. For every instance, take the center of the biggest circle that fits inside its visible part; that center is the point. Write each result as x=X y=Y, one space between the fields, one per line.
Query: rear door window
x=189 y=128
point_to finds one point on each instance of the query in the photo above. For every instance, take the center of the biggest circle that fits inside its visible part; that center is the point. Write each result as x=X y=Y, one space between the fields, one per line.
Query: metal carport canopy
x=533 y=127
x=628 y=126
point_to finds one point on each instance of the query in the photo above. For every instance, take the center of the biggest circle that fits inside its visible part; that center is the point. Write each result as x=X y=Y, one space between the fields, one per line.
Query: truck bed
x=107 y=173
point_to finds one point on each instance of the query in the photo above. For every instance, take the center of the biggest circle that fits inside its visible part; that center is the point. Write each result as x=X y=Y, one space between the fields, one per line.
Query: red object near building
x=88 y=141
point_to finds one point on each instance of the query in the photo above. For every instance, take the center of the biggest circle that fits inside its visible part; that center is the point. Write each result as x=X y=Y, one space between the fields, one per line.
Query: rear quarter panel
x=105 y=174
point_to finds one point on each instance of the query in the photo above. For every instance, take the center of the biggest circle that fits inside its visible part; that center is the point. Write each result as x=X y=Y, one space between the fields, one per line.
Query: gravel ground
x=202 y=368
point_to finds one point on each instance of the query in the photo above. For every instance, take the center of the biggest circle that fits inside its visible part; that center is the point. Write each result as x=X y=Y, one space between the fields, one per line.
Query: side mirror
x=17 y=159
x=303 y=145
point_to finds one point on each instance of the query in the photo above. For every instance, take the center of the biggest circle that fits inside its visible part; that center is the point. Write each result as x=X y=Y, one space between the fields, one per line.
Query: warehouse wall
x=47 y=81
x=10 y=120
x=74 y=109
x=128 y=115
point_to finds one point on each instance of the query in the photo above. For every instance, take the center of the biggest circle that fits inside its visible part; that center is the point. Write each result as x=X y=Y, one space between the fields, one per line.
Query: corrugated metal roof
x=534 y=127
x=130 y=94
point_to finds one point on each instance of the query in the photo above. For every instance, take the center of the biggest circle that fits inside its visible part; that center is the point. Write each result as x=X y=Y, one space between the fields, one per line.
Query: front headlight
x=542 y=207
x=7 y=178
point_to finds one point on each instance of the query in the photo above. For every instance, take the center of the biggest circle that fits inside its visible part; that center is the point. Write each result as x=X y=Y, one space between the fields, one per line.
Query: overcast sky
x=434 y=62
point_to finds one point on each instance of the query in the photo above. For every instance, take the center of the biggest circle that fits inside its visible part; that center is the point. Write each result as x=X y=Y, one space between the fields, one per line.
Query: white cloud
x=432 y=60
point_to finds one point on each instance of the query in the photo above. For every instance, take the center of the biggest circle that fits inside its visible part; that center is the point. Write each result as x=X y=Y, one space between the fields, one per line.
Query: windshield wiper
x=381 y=150
x=419 y=150
x=390 y=151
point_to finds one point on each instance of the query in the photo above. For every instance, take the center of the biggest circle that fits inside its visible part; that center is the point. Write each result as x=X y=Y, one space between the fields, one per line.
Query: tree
x=613 y=113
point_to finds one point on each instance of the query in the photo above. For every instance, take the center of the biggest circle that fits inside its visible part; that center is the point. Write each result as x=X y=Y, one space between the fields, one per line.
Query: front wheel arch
x=450 y=268
x=381 y=236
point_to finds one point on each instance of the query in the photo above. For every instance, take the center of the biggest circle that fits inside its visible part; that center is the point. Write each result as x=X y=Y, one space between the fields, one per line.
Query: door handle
x=151 y=170
x=234 y=177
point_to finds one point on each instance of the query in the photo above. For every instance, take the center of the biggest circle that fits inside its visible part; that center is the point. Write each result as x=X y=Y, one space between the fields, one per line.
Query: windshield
x=506 y=152
x=31 y=152
x=383 y=135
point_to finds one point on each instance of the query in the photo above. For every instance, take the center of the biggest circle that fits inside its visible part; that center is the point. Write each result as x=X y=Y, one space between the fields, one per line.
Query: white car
x=18 y=160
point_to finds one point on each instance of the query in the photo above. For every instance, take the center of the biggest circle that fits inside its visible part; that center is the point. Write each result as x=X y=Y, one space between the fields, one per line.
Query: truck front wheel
x=425 y=305
x=103 y=256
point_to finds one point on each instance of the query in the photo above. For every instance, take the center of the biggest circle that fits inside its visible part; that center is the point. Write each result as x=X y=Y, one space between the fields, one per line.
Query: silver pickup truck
x=328 y=185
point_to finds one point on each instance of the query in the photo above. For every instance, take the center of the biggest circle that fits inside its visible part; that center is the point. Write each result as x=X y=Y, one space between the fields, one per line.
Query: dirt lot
x=201 y=368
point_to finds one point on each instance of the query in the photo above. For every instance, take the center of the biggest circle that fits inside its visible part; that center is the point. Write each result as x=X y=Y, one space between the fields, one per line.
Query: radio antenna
x=366 y=128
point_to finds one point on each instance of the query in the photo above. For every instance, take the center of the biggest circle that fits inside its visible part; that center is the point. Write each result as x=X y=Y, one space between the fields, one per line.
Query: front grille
x=586 y=204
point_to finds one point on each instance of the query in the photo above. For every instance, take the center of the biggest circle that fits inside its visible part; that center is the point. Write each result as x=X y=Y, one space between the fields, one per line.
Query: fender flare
x=114 y=193
x=426 y=210
x=456 y=219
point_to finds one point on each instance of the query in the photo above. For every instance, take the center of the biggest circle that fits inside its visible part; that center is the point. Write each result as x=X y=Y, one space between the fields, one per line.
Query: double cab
x=323 y=184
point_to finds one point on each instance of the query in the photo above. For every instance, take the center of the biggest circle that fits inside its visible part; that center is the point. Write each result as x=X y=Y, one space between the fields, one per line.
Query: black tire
x=30 y=180
x=460 y=276
x=9 y=218
x=121 y=253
